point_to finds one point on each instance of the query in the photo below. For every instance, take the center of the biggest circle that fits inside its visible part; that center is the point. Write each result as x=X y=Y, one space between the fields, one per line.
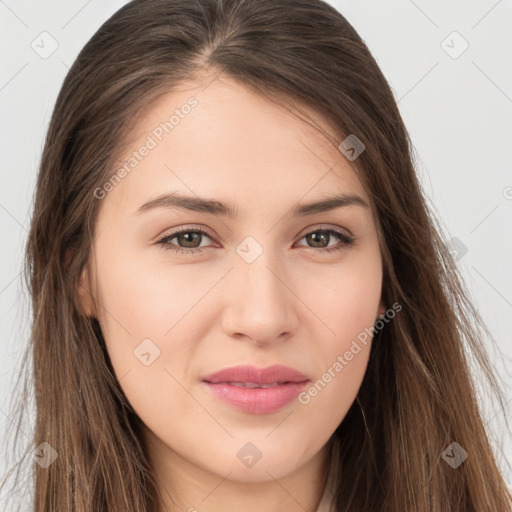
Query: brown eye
x=187 y=238
x=320 y=238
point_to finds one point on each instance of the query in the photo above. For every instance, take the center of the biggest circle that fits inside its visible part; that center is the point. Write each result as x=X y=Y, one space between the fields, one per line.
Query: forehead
x=216 y=137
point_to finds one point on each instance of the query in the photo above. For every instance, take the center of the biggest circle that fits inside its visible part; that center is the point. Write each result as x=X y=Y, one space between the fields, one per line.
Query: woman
x=240 y=297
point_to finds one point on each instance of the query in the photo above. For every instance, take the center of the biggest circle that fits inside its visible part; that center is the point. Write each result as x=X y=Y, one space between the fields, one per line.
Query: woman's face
x=264 y=286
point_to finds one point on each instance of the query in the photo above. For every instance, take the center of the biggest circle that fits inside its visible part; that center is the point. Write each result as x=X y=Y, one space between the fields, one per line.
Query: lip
x=268 y=375
x=290 y=383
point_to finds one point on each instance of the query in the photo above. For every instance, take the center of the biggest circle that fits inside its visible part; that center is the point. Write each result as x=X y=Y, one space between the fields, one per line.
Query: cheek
x=146 y=323
x=346 y=303
x=345 y=299
x=334 y=391
x=151 y=320
x=342 y=364
x=142 y=300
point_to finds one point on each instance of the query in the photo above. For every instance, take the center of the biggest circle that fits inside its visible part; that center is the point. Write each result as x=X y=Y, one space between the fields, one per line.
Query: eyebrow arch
x=197 y=204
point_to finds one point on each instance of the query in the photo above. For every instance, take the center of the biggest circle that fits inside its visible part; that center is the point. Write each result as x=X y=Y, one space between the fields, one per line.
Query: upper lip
x=269 y=375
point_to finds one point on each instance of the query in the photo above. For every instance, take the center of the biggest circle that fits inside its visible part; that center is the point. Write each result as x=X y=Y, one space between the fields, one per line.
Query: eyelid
x=319 y=227
x=185 y=229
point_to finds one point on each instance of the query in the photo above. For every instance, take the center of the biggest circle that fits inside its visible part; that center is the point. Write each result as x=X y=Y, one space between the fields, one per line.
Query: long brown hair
x=419 y=394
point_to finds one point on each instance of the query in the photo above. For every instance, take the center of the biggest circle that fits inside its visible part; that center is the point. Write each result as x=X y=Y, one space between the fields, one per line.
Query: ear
x=381 y=311
x=84 y=294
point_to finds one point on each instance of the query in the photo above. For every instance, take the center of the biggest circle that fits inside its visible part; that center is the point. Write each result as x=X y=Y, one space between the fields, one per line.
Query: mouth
x=256 y=390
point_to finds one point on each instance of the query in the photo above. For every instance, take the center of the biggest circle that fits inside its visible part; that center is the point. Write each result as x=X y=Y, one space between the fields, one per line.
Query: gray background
x=457 y=106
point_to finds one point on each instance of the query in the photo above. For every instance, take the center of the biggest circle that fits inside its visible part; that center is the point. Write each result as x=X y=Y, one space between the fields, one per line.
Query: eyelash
x=164 y=242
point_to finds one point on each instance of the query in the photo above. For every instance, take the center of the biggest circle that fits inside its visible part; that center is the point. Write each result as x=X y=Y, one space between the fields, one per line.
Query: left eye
x=194 y=235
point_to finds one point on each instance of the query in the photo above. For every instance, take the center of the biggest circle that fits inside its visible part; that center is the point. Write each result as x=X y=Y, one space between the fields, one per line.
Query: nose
x=259 y=305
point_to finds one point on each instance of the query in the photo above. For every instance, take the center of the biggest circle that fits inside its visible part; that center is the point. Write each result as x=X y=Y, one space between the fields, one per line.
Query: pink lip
x=257 y=400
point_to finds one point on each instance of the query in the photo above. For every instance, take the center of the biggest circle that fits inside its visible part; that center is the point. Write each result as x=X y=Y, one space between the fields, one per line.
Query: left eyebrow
x=326 y=205
x=211 y=207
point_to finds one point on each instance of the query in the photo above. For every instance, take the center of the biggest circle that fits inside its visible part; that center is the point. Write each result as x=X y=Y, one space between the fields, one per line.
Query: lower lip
x=257 y=400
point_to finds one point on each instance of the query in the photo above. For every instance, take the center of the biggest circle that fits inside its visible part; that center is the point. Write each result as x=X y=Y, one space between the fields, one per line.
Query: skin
x=211 y=310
